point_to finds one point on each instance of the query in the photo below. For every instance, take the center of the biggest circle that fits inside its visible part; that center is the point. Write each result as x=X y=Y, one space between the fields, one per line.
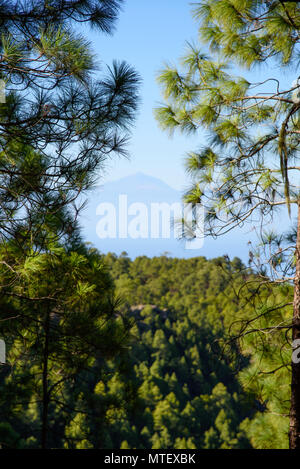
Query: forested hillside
x=174 y=383
x=193 y=391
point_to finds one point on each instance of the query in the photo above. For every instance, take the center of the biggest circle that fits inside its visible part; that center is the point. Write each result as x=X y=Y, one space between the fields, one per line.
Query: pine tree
x=58 y=123
x=250 y=166
x=67 y=320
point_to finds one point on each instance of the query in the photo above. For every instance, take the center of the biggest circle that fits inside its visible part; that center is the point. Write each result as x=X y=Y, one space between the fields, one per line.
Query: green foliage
x=173 y=381
x=250 y=31
x=248 y=166
x=65 y=308
x=175 y=388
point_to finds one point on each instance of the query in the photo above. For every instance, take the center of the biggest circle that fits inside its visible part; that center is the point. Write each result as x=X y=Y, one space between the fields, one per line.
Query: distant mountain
x=145 y=190
x=141 y=184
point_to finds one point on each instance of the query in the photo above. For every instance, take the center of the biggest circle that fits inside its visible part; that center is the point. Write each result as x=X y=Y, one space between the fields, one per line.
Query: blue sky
x=148 y=34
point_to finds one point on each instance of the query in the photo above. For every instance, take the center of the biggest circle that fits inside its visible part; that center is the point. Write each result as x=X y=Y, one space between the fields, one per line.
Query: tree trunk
x=295 y=396
x=45 y=399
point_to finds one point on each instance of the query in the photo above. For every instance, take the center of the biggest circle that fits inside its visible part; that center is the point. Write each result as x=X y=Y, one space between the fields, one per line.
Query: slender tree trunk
x=295 y=396
x=45 y=401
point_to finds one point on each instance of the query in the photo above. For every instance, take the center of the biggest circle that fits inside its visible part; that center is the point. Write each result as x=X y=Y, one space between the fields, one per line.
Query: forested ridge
x=176 y=383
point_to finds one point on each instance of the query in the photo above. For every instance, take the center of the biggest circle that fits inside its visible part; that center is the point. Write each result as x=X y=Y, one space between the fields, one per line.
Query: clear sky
x=148 y=34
